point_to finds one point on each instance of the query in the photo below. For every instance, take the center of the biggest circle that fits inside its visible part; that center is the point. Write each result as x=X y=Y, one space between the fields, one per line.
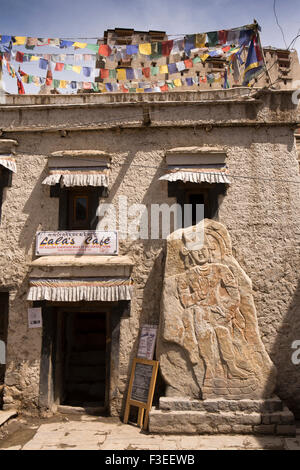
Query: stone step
x=222 y=422
x=220 y=404
x=7 y=415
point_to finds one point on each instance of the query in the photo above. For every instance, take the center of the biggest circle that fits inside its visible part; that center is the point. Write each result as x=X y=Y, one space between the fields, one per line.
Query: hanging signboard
x=141 y=389
x=147 y=342
x=34 y=318
x=77 y=243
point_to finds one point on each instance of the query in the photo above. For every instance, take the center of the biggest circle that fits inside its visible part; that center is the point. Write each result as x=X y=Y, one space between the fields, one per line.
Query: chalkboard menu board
x=141 y=388
x=141 y=382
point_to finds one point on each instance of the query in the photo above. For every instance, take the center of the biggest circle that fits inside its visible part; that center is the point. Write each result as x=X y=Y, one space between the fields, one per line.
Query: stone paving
x=94 y=433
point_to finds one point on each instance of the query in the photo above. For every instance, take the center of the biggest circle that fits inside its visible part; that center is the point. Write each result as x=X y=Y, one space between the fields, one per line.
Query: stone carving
x=209 y=344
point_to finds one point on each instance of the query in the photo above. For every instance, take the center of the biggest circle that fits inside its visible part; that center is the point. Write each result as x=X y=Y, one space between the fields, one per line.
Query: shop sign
x=77 y=243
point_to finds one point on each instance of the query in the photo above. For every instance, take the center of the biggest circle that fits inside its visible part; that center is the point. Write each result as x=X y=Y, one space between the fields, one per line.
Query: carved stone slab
x=209 y=343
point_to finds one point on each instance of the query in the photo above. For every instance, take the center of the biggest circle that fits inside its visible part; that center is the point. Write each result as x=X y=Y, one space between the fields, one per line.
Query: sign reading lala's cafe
x=77 y=243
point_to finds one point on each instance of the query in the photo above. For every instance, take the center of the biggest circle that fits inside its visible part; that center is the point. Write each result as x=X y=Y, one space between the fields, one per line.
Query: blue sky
x=80 y=19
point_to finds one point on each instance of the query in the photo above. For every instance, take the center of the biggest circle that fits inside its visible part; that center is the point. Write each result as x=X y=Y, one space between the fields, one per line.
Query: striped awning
x=8 y=162
x=76 y=290
x=197 y=175
x=69 y=177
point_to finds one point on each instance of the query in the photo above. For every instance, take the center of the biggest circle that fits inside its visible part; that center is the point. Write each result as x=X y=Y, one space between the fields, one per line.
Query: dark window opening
x=210 y=195
x=78 y=207
x=5 y=181
x=4 y=297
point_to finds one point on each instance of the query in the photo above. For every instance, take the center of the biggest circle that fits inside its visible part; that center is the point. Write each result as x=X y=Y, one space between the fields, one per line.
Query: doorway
x=4 y=298
x=83 y=358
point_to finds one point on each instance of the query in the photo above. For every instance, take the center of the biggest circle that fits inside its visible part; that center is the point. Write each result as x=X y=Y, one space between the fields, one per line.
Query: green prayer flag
x=112 y=74
x=95 y=86
x=93 y=47
x=30 y=79
x=213 y=38
x=154 y=70
x=196 y=60
x=56 y=83
x=68 y=67
x=132 y=90
x=156 y=50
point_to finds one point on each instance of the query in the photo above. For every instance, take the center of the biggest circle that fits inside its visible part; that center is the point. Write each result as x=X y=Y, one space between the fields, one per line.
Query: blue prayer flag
x=254 y=62
x=172 y=68
x=132 y=49
x=43 y=64
x=86 y=71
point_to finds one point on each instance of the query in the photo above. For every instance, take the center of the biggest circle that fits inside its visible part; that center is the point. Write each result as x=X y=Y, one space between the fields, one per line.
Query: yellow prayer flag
x=145 y=49
x=62 y=84
x=80 y=45
x=163 y=69
x=204 y=57
x=19 y=40
x=140 y=90
x=25 y=79
x=121 y=74
x=177 y=82
x=34 y=57
x=36 y=81
x=200 y=40
x=76 y=68
x=101 y=87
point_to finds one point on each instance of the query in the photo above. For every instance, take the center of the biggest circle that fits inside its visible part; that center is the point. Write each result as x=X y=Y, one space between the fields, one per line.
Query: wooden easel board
x=141 y=389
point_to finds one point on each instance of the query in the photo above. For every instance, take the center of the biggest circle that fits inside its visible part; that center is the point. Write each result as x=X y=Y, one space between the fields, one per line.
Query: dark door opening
x=84 y=359
x=4 y=297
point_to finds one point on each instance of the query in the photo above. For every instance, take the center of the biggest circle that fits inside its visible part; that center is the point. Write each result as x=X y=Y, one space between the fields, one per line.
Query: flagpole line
x=263 y=56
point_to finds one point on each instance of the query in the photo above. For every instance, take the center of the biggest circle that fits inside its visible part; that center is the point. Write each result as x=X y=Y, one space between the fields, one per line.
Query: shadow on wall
x=282 y=352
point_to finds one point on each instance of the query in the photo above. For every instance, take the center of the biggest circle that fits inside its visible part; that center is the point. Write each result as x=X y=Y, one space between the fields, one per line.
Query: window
x=78 y=208
x=5 y=181
x=192 y=193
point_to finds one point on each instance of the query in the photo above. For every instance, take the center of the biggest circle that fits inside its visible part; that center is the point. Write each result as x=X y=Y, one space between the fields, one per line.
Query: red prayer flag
x=104 y=50
x=226 y=48
x=59 y=66
x=125 y=90
x=188 y=63
x=19 y=56
x=167 y=46
x=222 y=36
x=164 y=88
x=146 y=72
x=49 y=81
x=21 y=90
x=104 y=73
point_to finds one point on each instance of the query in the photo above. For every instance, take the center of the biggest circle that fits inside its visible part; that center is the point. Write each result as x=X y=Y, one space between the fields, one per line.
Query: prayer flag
x=204 y=57
x=163 y=69
x=154 y=71
x=196 y=60
x=20 y=85
x=59 y=66
x=112 y=73
x=164 y=88
x=200 y=40
x=212 y=38
x=145 y=49
x=146 y=72
x=109 y=87
x=245 y=36
x=132 y=49
x=56 y=83
x=62 y=84
x=87 y=85
x=93 y=47
x=189 y=43
x=86 y=71
x=156 y=50
x=222 y=36
x=76 y=68
x=64 y=43
x=87 y=57
x=177 y=82
x=172 y=68
x=80 y=45
x=129 y=74
x=5 y=39
x=104 y=73
x=188 y=63
x=68 y=67
x=34 y=58
x=43 y=64
x=180 y=66
x=167 y=46
x=177 y=46
x=54 y=42
x=254 y=62
x=19 y=56
x=189 y=81
x=104 y=50
x=73 y=84
x=121 y=74
x=19 y=40
x=233 y=36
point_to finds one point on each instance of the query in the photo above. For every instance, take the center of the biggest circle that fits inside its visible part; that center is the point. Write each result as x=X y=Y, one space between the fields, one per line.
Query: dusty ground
x=82 y=432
